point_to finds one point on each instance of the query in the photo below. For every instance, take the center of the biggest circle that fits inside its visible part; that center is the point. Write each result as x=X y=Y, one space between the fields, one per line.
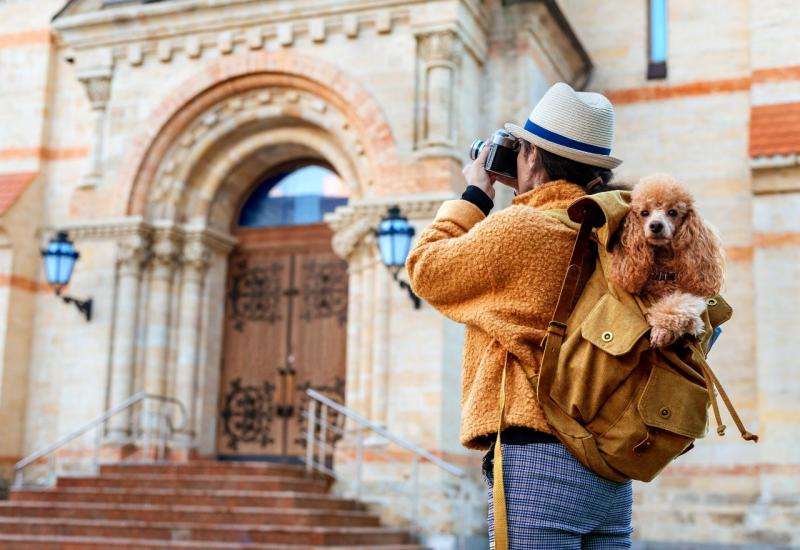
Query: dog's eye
x=645 y=213
x=672 y=213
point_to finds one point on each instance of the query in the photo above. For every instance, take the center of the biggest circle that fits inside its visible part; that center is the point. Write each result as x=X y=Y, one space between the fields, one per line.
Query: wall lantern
x=59 y=259
x=394 y=242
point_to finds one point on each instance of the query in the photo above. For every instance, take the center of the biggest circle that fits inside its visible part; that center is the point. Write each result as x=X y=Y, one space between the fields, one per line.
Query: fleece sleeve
x=460 y=260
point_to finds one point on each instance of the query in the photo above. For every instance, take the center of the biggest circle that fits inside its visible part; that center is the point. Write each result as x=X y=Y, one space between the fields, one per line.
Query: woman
x=500 y=276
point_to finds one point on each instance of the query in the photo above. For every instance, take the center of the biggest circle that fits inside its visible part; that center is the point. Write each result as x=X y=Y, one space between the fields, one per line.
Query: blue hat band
x=544 y=133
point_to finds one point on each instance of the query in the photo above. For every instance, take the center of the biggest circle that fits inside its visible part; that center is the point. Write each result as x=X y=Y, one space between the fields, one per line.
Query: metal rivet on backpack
x=607 y=336
x=665 y=412
x=711 y=301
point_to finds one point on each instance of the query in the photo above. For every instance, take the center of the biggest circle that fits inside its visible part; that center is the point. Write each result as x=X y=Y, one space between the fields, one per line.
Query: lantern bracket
x=84 y=306
x=405 y=286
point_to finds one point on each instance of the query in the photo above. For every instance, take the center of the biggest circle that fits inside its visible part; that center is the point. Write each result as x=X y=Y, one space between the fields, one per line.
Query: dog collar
x=663 y=276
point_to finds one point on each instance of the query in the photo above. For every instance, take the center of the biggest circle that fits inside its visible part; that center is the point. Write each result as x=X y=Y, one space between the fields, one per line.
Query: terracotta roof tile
x=775 y=129
x=11 y=187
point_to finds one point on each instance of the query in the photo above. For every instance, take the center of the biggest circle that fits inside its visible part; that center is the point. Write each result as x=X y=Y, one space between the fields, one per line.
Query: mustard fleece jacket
x=500 y=275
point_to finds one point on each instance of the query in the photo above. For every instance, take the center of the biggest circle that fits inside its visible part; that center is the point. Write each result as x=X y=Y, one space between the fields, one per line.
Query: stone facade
x=140 y=127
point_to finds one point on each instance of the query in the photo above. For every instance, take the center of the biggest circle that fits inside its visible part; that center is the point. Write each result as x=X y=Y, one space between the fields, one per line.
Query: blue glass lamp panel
x=658 y=31
x=59 y=259
x=394 y=241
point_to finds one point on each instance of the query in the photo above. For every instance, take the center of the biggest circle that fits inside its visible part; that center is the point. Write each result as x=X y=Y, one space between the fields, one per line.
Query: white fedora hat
x=575 y=125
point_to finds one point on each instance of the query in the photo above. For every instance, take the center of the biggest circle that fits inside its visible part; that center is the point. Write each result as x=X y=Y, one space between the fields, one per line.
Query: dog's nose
x=656 y=227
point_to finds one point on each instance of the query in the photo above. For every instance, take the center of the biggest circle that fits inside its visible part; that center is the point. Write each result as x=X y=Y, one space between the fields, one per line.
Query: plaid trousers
x=554 y=502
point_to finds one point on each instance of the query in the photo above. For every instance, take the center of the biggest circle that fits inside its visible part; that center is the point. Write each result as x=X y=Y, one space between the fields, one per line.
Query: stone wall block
x=316 y=29
x=285 y=34
x=350 y=25
x=255 y=39
x=193 y=47
x=225 y=42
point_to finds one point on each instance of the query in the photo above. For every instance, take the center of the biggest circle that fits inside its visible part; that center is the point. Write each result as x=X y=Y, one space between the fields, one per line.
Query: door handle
x=285 y=408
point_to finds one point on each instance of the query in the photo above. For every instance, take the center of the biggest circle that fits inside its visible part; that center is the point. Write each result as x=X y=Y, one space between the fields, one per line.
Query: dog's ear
x=632 y=257
x=699 y=255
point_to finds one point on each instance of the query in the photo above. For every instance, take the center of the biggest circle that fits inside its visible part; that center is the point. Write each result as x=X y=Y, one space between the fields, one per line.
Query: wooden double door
x=285 y=331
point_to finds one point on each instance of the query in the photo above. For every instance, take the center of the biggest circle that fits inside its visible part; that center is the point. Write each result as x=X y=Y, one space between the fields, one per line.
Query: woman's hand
x=475 y=173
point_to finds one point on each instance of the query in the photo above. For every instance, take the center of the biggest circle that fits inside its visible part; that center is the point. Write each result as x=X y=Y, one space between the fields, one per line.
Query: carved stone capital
x=165 y=252
x=97 y=82
x=439 y=46
x=132 y=253
x=346 y=241
x=196 y=256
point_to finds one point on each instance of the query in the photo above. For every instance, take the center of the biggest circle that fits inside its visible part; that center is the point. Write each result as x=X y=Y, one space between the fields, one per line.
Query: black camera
x=503 y=150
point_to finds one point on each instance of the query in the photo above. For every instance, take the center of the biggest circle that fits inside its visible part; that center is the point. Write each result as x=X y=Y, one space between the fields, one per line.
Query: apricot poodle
x=669 y=254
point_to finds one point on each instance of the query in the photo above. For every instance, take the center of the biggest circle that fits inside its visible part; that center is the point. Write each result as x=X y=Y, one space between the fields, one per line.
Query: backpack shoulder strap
x=556 y=329
x=555 y=334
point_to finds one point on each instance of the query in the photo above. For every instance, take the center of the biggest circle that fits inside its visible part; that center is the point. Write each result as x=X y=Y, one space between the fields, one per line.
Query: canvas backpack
x=623 y=409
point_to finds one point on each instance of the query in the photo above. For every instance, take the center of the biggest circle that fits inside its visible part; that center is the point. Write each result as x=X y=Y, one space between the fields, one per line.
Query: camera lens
x=475 y=150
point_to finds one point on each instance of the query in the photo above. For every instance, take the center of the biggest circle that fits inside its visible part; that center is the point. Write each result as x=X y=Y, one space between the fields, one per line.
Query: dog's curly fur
x=684 y=244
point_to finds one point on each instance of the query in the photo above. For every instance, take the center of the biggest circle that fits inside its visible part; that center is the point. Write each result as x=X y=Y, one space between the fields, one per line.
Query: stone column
x=162 y=272
x=380 y=352
x=348 y=243
x=131 y=256
x=95 y=74
x=195 y=261
x=368 y=265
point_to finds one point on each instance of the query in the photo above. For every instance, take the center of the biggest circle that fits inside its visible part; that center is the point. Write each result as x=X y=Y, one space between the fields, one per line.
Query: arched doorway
x=285 y=312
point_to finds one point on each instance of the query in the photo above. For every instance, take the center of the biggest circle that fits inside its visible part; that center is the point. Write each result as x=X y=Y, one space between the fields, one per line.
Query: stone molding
x=134 y=231
x=163 y=31
x=107 y=229
x=774 y=161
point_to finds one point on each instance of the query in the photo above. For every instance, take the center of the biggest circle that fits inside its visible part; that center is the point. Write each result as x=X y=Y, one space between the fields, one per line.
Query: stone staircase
x=193 y=505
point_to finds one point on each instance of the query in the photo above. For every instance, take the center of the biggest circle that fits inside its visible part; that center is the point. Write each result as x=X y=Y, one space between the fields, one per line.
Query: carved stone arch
x=234 y=142
x=226 y=181
x=224 y=79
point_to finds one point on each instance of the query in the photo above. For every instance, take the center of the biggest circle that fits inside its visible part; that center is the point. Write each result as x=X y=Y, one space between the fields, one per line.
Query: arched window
x=294 y=197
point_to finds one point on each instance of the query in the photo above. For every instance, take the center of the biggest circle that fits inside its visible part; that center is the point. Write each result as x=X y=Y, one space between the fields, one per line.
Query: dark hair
x=562 y=168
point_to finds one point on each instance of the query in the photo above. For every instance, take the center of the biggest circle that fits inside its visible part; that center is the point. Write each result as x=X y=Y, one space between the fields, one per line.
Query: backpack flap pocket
x=675 y=404
x=614 y=327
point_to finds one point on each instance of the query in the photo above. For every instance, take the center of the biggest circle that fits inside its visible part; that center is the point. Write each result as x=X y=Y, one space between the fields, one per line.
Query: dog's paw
x=661 y=337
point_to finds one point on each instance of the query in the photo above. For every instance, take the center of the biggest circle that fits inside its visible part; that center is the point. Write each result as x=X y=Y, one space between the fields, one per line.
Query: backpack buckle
x=558 y=328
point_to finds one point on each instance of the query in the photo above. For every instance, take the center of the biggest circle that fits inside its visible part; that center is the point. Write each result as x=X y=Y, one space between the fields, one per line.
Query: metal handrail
x=20 y=466
x=349 y=413
x=317 y=427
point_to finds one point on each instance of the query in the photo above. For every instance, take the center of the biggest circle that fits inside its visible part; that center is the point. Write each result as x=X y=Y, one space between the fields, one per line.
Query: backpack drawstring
x=711 y=381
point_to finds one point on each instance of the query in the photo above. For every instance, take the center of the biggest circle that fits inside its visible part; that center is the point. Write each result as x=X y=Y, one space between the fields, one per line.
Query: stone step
x=188 y=513
x=279 y=534
x=183 y=481
x=33 y=542
x=207 y=468
x=217 y=497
